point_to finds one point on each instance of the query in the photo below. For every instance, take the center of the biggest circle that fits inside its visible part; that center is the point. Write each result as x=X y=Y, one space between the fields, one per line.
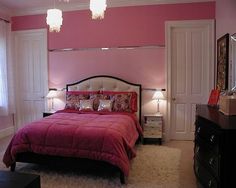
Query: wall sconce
x=51 y=95
x=158 y=95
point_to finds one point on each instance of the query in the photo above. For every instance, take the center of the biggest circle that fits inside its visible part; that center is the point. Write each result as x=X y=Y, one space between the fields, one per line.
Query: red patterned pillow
x=123 y=101
x=73 y=98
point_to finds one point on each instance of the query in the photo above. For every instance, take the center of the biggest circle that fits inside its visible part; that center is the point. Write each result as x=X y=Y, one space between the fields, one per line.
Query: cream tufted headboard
x=107 y=83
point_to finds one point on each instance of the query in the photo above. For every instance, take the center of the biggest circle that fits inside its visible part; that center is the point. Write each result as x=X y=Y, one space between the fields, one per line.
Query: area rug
x=154 y=167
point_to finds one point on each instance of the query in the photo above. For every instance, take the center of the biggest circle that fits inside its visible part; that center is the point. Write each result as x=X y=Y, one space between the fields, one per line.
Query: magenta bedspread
x=108 y=137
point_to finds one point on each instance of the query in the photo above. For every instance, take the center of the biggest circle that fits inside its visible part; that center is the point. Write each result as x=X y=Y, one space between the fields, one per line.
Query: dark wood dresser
x=214 y=148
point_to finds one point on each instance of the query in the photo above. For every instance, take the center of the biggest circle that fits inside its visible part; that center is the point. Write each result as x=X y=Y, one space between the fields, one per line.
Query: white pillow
x=105 y=105
x=86 y=105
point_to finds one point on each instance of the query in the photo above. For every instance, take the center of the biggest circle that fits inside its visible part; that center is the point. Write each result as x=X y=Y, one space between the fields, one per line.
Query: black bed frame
x=70 y=162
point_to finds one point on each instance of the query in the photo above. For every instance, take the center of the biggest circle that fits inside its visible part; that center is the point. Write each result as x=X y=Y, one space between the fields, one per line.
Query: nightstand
x=45 y=114
x=153 y=124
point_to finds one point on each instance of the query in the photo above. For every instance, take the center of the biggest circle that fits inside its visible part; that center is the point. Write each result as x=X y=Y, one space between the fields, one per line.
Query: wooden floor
x=187 y=177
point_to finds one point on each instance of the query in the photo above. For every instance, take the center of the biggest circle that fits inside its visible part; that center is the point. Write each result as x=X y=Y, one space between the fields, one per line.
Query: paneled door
x=31 y=74
x=190 y=74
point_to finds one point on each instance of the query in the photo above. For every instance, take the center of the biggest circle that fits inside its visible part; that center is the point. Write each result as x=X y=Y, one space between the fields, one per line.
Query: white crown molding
x=43 y=10
x=71 y=6
x=120 y=3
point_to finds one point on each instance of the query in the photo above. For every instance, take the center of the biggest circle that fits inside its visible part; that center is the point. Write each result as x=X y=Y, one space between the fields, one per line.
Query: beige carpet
x=153 y=167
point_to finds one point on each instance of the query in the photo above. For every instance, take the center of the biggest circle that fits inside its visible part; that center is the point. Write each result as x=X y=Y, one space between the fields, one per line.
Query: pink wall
x=144 y=66
x=124 y=26
x=225 y=17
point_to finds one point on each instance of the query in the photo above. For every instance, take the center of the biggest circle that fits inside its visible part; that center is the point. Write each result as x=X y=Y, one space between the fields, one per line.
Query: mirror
x=232 y=62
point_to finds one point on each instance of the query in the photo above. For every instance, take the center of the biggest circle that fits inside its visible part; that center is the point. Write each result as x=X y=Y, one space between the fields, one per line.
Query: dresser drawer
x=208 y=132
x=210 y=158
x=203 y=175
x=208 y=146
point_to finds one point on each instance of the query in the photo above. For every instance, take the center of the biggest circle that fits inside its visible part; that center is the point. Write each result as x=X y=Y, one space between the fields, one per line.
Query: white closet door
x=31 y=74
x=190 y=73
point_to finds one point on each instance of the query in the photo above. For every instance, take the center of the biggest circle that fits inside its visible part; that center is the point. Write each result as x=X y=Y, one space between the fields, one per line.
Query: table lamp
x=51 y=95
x=157 y=96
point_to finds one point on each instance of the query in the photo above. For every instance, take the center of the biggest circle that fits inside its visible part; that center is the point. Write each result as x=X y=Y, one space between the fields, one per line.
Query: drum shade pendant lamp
x=97 y=8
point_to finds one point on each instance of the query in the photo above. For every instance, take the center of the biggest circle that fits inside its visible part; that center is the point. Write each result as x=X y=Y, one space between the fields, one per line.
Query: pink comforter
x=109 y=138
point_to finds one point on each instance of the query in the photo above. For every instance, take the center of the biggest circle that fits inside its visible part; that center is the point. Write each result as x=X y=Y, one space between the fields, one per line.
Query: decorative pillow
x=86 y=105
x=96 y=98
x=73 y=98
x=105 y=105
x=123 y=101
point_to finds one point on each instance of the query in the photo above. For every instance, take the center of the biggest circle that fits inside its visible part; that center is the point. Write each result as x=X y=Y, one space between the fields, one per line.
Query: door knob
x=173 y=99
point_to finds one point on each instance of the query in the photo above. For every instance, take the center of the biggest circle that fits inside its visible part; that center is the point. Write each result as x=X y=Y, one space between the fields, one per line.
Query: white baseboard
x=6 y=132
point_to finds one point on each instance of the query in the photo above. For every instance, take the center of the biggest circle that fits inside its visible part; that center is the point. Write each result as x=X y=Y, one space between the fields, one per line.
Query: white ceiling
x=25 y=7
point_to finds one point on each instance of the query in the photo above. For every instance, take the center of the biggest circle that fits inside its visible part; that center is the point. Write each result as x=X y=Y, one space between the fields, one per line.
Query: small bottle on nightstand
x=153 y=125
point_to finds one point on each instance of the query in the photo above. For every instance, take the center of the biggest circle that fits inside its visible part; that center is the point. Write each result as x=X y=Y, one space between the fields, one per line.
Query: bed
x=99 y=126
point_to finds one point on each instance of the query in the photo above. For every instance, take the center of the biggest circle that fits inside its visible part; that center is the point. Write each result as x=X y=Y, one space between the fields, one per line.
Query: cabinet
x=215 y=142
x=152 y=128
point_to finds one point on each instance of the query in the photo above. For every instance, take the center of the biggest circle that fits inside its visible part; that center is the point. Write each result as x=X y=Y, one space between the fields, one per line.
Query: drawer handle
x=212 y=138
x=197 y=149
x=197 y=169
x=210 y=183
x=198 y=130
x=211 y=160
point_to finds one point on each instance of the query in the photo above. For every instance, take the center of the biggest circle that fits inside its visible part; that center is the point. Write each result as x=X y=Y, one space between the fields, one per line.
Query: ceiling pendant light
x=54 y=19
x=97 y=8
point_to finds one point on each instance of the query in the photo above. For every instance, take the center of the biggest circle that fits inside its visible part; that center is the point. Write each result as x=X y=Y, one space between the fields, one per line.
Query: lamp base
x=158 y=114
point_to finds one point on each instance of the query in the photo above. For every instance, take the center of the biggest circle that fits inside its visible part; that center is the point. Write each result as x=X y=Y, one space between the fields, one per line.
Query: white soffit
x=84 y=5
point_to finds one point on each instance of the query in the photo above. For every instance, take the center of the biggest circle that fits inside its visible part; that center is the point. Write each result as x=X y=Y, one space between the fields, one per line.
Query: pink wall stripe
x=123 y=26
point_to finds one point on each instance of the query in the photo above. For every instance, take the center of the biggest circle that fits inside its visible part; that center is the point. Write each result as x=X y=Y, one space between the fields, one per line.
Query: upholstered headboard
x=107 y=83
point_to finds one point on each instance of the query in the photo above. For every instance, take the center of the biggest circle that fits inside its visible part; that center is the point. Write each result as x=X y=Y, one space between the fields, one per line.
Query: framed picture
x=222 y=62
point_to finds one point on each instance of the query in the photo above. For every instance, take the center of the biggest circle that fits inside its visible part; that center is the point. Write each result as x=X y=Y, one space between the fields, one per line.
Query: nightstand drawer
x=152 y=118
x=152 y=132
x=152 y=125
